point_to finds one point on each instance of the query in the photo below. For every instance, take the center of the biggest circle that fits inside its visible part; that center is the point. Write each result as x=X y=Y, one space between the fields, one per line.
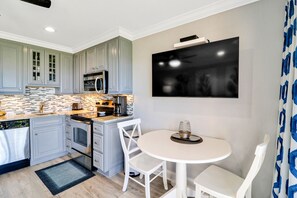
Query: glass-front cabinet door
x=52 y=68
x=36 y=66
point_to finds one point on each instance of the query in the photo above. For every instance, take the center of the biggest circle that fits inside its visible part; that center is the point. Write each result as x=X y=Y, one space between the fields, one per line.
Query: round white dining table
x=159 y=145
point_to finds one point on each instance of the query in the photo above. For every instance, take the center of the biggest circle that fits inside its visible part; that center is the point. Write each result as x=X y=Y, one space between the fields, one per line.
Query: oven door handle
x=84 y=122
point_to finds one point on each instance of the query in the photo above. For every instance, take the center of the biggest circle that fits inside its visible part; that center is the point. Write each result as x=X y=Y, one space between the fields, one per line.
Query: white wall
x=243 y=121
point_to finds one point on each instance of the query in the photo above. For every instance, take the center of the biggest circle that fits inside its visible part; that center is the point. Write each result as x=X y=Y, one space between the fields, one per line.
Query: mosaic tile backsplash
x=30 y=101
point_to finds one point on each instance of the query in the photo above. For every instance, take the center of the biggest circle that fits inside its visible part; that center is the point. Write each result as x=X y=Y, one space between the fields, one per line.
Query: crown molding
x=31 y=41
x=200 y=13
x=211 y=9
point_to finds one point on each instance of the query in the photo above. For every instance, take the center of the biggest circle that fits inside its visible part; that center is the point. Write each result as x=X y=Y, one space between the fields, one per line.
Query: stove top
x=88 y=116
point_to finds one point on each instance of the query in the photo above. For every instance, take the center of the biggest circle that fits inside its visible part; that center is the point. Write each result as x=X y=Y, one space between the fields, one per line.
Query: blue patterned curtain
x=285 y=174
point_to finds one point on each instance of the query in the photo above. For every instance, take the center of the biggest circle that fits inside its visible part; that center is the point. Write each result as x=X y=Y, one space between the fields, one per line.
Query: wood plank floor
x=25 y=183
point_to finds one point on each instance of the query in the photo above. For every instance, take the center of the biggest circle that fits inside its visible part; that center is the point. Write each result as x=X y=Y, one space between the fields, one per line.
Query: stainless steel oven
x=96 y=82
x=81 y=146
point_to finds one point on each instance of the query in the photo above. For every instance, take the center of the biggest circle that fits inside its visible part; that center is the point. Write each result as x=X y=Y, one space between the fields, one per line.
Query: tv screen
x=208 y=70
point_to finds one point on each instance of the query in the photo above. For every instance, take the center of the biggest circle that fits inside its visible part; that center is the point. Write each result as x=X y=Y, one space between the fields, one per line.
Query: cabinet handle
x=96 y=161
x=95 y=142
x=36 y=133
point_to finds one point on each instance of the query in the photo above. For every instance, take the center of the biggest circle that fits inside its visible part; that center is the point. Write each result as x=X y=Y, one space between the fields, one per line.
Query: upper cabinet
x=66 y=71
x=79 y=71
x=11 y=68
x=119 y=53
x=52 y=68
x=96 y=58
x=36 y=66
x=43 y=67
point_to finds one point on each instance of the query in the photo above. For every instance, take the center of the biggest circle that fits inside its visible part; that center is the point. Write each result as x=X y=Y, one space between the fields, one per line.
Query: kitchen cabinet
x=119 y=53
x=66 y=72
x=52 y=70
x=79 y=71
x=68 y=134
x=107 y=150
x=11 y=68
x=43 y=67
x=47 y=138
x=35 y=66
x=96 y=58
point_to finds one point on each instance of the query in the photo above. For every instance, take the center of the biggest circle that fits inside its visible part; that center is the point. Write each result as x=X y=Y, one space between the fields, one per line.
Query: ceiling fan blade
x=42 y=3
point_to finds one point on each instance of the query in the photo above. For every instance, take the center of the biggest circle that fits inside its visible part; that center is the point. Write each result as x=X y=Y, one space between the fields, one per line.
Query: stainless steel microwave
x=96 y=82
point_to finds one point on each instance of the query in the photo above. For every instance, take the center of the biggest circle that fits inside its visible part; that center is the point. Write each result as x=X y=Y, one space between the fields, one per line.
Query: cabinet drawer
x=46 y=121
x=67 y=119
x=98 y=128
x=68 y=135
x=98 y=142
x=68 y=146
x=68 y=128
x=98 y=160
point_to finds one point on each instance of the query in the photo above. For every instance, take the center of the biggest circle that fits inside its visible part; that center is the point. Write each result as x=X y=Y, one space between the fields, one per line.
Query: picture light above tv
x=208 y=70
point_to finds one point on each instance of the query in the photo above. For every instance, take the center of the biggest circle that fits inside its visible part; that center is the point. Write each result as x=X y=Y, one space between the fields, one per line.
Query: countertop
x=110 y=119
x=107 y=119
x=28 y=116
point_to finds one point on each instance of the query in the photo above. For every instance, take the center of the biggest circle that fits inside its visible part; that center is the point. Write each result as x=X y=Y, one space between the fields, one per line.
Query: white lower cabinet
x=47 y=138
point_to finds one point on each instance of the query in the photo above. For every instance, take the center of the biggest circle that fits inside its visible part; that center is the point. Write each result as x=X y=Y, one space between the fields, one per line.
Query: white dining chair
x=221 y=183
x=143 y=163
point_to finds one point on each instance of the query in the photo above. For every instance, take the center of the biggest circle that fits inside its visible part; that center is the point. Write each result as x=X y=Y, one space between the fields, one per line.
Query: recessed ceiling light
x=50 y=29
x=221 y=53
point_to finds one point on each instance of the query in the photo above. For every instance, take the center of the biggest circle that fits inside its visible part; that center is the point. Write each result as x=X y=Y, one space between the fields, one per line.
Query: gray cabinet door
x=82 y=69
x=11 y=75
x=119 y=65
x=52 y=68
x=79 y=71
x=101 y=51
x=113 y=65
x=125 y=66
x=36 y=66
x=47 y=138
x=91 y=60
x=76 y=74
x=66 y=73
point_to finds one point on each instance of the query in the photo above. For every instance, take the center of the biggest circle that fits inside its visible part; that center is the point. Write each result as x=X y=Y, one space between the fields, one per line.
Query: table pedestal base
x=181 y=180
x=180 y=189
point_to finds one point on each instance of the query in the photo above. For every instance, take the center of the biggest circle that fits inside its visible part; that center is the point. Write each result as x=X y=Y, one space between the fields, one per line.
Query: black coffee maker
x=120 y=105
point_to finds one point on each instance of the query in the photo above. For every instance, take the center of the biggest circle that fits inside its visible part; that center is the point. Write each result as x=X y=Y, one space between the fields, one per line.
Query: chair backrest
x=128 y=134
x=256 y=165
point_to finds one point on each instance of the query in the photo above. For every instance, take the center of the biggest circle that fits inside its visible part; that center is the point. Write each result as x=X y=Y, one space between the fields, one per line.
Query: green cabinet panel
x=11 y=71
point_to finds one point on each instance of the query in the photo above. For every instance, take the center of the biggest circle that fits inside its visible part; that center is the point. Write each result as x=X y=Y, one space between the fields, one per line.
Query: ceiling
x=81 y=24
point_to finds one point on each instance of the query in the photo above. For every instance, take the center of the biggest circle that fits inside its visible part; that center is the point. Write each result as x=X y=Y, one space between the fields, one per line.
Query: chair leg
x=126 y=180
x=249 y=192
x=147 y=186
x=164 y=167
x=198 y=192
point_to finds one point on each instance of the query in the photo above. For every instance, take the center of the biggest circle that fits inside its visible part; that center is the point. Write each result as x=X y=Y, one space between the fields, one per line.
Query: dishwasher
x=14 y=145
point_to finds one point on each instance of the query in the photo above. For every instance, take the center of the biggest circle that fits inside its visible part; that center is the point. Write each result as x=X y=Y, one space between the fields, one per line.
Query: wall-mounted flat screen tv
x=208 y=70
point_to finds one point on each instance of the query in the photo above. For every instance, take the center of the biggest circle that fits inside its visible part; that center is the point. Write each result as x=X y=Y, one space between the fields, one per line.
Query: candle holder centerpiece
x=184 y=130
